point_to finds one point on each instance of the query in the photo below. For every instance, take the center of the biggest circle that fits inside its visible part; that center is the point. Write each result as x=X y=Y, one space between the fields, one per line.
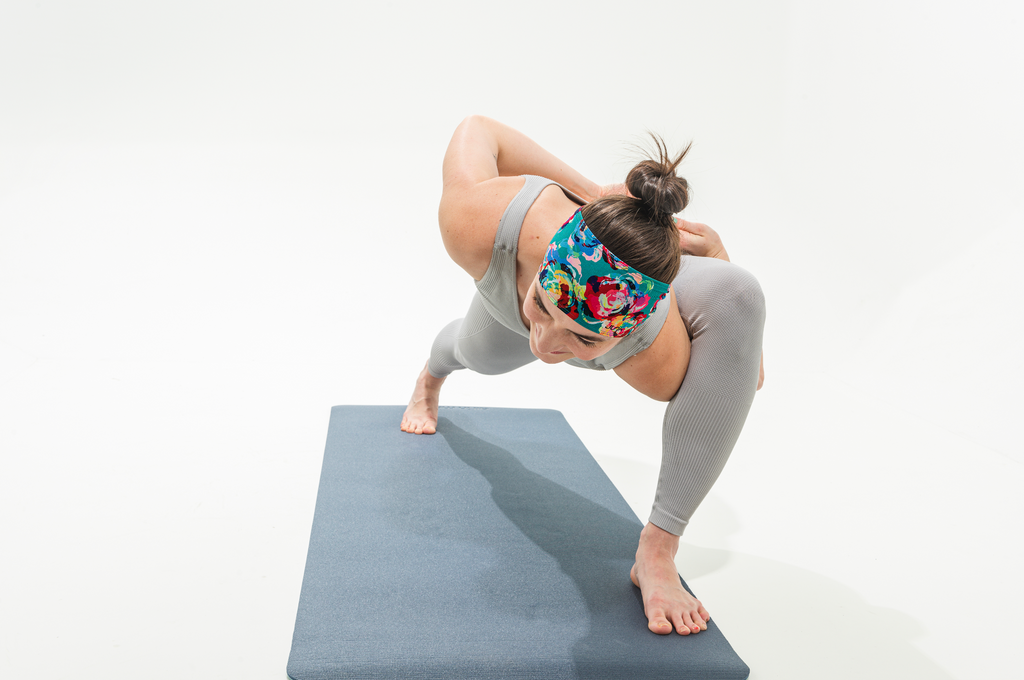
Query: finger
x=692 y=227
x=690 y=243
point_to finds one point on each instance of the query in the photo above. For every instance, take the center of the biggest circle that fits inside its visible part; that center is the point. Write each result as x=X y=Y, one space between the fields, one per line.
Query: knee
x=746 y=307
x=443 y=359
x=747 y=296
x=737 y=292
x=721 y=298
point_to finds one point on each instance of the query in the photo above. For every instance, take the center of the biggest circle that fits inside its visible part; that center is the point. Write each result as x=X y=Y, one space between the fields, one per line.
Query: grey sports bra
x=500 y=295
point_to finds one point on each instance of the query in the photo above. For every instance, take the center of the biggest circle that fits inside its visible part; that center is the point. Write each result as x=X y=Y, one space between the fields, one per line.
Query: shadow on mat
x=828 y=625
x=594 y=546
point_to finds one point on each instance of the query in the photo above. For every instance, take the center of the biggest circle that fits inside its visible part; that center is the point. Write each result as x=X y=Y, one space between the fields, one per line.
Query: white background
x=218 y=219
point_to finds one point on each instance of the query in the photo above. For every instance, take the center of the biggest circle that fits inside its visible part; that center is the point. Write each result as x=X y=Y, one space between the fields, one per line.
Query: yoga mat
x=496 y=548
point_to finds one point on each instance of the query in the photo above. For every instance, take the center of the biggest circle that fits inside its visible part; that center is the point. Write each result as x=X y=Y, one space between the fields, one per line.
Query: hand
x=700 y=240
x=612 y=190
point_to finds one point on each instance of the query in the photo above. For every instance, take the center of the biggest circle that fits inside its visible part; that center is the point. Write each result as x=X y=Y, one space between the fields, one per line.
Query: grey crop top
x=500 y=295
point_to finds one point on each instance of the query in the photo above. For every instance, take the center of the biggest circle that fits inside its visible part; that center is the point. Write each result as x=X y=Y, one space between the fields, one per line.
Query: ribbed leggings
x=723 y=309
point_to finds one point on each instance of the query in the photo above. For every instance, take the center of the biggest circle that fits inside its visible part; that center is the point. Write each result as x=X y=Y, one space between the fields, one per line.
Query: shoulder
x=658 y=371
x=548 y=213
x=469 y=215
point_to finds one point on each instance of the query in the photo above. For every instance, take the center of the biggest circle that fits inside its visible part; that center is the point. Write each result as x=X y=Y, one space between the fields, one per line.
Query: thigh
x=485 y=346
x=723 y=309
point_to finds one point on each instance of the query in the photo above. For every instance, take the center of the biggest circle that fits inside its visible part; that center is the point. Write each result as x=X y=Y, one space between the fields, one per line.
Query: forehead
x=561 y=318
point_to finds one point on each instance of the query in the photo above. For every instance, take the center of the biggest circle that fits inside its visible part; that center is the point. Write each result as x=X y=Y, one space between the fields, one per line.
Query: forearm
x=494 y=149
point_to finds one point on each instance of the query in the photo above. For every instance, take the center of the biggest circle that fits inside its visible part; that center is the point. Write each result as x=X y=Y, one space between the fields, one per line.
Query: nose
x=545 y=341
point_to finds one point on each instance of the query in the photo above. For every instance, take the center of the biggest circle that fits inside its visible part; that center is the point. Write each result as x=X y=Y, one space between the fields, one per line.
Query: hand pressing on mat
x=420 y=415
x=667 y=604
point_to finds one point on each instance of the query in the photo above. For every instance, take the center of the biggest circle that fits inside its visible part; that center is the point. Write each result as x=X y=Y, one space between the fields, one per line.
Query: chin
x=553 y=358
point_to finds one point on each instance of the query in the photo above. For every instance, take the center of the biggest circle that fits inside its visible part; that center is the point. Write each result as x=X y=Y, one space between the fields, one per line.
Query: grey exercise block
x=496 y=548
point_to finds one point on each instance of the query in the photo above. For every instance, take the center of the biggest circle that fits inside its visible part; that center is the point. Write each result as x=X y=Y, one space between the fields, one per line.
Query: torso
x=657 y=371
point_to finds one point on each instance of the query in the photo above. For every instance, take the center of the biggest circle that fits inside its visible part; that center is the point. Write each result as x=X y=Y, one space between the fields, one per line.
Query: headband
x=593 y=287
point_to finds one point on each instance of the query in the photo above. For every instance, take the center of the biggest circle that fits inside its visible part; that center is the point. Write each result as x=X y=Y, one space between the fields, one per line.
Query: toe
x=657 y=621
x=680 y=625
x=659 y=625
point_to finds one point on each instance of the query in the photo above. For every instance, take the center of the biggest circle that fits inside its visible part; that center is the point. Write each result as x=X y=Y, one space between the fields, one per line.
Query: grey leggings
x=723 y=309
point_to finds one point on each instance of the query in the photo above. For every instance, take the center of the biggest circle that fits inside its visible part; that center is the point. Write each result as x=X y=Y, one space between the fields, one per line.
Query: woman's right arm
x=694 y=238
x=481 y=176
x=700 y=240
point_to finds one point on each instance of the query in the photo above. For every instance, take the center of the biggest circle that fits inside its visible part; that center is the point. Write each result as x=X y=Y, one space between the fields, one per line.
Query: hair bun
x=655 y=183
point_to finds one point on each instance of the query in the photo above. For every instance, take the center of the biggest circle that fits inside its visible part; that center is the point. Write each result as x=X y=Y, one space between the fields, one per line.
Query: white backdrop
x=218 y=219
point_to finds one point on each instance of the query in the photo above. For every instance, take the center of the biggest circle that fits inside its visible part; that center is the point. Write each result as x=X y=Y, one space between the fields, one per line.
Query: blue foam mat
x=497 y=548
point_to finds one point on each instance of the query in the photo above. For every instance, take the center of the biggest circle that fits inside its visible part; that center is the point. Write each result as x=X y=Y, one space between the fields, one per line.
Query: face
x=554 y=337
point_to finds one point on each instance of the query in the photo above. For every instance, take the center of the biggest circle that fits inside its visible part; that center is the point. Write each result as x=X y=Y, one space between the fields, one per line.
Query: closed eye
x=540 y=306
x=586 y=342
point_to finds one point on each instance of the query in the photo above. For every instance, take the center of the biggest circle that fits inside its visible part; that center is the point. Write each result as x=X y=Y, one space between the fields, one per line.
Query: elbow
x=474 y=121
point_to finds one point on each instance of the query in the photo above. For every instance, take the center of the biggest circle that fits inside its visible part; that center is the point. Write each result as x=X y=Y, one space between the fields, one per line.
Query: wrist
x=588 y=191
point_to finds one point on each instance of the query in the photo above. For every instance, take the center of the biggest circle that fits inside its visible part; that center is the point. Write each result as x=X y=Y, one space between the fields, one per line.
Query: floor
x=214 y=226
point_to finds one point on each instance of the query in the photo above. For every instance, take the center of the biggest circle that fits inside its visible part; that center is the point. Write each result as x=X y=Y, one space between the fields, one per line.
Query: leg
x=723 y=308
x=477 y=342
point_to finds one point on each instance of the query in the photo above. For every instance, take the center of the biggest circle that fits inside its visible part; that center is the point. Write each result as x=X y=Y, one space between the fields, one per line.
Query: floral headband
x=593 y=287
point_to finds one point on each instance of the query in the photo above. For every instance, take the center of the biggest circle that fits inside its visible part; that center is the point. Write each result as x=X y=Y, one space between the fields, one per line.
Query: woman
x=569 y=271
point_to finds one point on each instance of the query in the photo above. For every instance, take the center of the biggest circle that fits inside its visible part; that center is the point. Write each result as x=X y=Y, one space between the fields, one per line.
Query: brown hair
x=638 y=228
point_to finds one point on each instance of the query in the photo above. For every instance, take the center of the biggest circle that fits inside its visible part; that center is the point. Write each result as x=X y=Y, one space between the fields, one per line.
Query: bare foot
x=420 y=415
x=666 y=603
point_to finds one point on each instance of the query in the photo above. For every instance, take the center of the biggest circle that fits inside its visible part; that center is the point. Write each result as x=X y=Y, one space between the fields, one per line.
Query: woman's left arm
x=481 y=175
x=483 y=148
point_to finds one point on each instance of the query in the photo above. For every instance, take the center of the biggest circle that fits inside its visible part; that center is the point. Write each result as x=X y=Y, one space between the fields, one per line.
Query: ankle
x=656 y=542
x=429 y=381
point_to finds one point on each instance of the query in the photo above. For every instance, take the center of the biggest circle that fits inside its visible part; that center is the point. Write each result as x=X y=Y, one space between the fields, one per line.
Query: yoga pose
x=603 y=278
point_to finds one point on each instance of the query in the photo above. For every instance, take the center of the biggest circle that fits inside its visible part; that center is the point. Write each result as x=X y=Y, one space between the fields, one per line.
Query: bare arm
x=694 y=238
x=482 y=149
x=700 y=239
x=481 y=175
